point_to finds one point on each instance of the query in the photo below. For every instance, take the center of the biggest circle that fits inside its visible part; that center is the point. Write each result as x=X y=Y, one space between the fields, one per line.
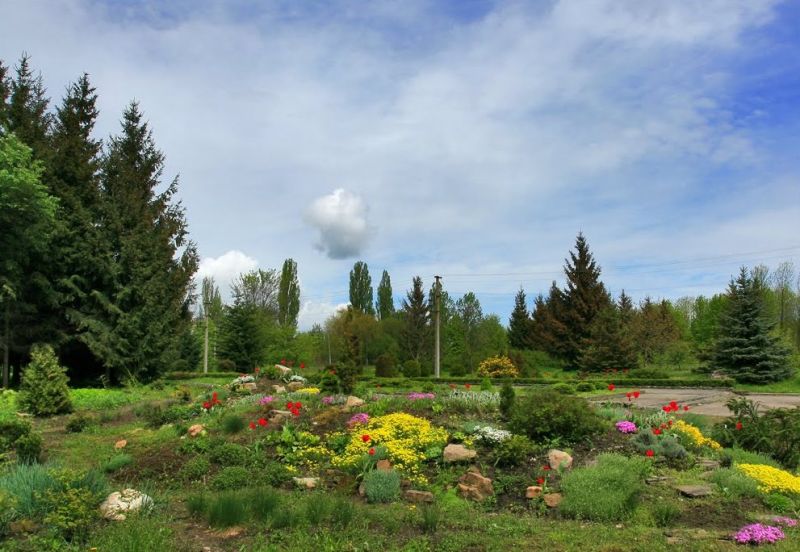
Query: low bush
x=79 y=422
x=44 y=390
x=195 y=469
x=229 y=454
x=606 y=492
x=507 y=398
x=514 y=451
x=497 y=367
x=29 y=448
x=386 y=366
x=231 y=478
x=117 y=462
x=584 y=387
x=411 y=368
x=286 y=517
x=563 y=388
x=664 y=446
x=197 y=504
x=545 y=414
x=232 y=423
x=430 y=515
x=18 y=435
x=736 y=455
x=382 y=486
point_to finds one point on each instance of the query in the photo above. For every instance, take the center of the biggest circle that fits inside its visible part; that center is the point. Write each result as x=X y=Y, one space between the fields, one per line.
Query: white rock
x=117 y=504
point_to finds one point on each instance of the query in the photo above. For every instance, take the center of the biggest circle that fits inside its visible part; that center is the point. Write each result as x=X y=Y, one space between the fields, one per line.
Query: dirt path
x=710 y=402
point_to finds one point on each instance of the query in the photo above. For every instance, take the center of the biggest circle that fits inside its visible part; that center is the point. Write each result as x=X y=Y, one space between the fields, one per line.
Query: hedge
x=619 y=382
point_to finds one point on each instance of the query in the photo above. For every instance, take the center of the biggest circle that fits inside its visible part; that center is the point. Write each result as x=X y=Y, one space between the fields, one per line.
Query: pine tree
x=584 y=297
x=242 y=336
x=288 y=295
x=27 y=109
x=416 y=317
x=5 y=93
x=519 y=325
x=361 y=295
x=625 y=308
x=745 y=349
x=44 y=390
x=547 y=326
x=154 y=260
x=608 y=345
x=385 y=304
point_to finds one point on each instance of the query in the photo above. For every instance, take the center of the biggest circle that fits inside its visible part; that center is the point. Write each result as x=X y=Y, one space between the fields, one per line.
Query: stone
x=196 y=430
x=250 y=386
x=283 y=370
x=362 y=489
x=353 y=402
x=658 y=479
x=306 y=482
x=121 y=444
x=458 y=453
x=471 y=493
x=552 y=500
x=533 y=492
x=418 y=496
x=559 y=459
x=472 y=485
x=708 y=463
x=277 y=389
x=117 y=504
x=279 y=416
x=295 y=385
x=694 y=491
x=383 y=465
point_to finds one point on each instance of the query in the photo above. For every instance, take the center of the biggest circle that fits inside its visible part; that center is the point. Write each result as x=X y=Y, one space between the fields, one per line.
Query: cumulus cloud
x=341 y=219
x=316 y=312
x=225 y=268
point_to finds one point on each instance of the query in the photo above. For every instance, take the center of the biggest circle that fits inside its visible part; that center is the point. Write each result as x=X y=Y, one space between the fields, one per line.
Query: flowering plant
x=758 y=533
x=360 y=418
x=309 y=390
x=265 y=400
x=208 y=405
x=624 y=426
x=497 y=367
x=414 y=396
x=771 y=479
x=695 y=436
x=491 y=434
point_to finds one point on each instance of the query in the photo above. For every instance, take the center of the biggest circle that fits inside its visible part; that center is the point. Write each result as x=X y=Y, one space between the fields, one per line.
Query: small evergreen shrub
x=386 y=366
x=545 y=414
x=79 y=422
x=275 y=474
x=195 y=468
x=584 y=387
x=329 y=382
x=44 y=390
x=29 y=448
x=507 y=397
x=226 y=365
x=346 y=374
x=232 y=423
x=664 y=446
x=117 y=462
x=382 y=486
x=564 y=388
x=411 y=368
x=229 y=454
x=17 y=435
x=514 y=451
x=231 y=478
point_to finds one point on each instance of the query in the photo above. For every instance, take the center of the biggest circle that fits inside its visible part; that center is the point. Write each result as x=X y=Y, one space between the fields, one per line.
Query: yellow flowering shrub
x=497 y=367
x=405 y=437
x=695 y=436
x=771 y=479
x=309 y=390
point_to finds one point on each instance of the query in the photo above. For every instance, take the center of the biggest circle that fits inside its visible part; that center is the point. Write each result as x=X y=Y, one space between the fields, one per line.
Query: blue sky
x=471 y=139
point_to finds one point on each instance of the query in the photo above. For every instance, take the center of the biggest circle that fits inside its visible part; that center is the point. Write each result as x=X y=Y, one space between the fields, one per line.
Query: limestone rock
x=250 y=386
x=278 y=389
x=196 y=430
x=121 y=444
x=458 y=453
x=553 y=500
x=283 y=370
x=117 y=504
x=694 y=491
x=295 y=385
x=533 y=492
x=352 y=402
x=279 y=416
x=418 y=496
x=383 y=465
x=306 y=482
x=474 y=486
x=559 y=458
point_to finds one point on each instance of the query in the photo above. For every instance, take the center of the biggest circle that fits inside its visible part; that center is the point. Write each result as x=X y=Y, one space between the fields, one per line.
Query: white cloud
x=341 y=219
x=312 y=312
x=225 y=268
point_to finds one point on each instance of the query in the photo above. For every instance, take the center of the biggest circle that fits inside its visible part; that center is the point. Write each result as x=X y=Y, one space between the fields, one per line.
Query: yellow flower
x=771 y=479
x=497 y=367
x=309 y=390
x=695 y=435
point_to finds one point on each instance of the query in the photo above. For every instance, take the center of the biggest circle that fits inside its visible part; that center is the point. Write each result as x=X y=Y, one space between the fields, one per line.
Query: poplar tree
x=385 y=303
x=288 y=295
x=361 y=295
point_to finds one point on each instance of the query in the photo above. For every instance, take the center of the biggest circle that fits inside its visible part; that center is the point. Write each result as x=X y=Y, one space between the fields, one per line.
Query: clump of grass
x=263 y=502
x=605 y=492
x=665 y=513
x=197 y=504
x=26 y=484
x=137 y=534
x=317 y=508
x=343 y=512
x=232 y=477
x=117 y=462
x=286 y=517
x=232 y=423
x=430 y=516
x=226 y=510
x=735 y=455
x=734 y=484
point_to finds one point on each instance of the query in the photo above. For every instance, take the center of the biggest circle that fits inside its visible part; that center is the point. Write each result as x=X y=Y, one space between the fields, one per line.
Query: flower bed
x=771 y=479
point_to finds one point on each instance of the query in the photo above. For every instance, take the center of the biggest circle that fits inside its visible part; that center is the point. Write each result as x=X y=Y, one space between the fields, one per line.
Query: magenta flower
x=358 y=419
x=624 y=426
x=418 y=396
x=758 y=534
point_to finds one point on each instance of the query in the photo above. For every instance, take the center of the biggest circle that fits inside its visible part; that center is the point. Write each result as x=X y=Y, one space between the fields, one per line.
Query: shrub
x=486 y=384
x=275 y=474
x=514 y=451
x=605 y=492
x=411 y=368
x=497 y=367
x=79 y=422
x=117 y=462
x=232 y=423
x=195 y=468
x=734 y=484
x=226 y=510
x=545 y=414
x=382 y=486
x=70 y=510
x=26 y=485
x=44 y=390
x=779 y=503
x=29 y=448
x=229 y=454
x=263 y=502
x=665 y=513
x=10 y=431
x=386 y=366
x=226 y=365
x=563 y=388
x=231 y=478
x=664 y=446
x=346 y=373
x=507 y=397
x=584 y=387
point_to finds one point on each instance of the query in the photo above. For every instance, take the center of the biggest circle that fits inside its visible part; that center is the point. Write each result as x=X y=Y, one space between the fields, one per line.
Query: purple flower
x=788 y=522
x=758 y=534
x=327 y=400
x=418 y=396
x=266 y=399
x=624 y=426
x=360 y=418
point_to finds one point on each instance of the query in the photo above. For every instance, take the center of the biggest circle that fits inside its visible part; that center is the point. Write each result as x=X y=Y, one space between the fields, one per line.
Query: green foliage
x=665 y=513
x=288 y=295
x=263 y=503
x=70 y=510
x=18 y=435
x=361 y=297
x=346 y=374
x=605 y=492
x=286 y=517
x=275 y=474
x=232 y=423
x=382 y=486
x=563 y=388
x=343 y=512
x=117 y=462
x=79 y=422
x=26 y=484
x=197 y=504
x=519 y=324
x=44 y=390
x=515 y=451
x=411 y=368
x=734 y=484
x=196 y=468
x=780 y=503
x=664 y=446
x=226 y=510
x=736 y=455
x=430 y=517
x=507 y=398
x=386 y=366
x=545 y=414
x=29 y=448
x=231 y=478
x=137 y=533
x=229 y=454
x=385 y=303
x=608 y=344
x=584 y=387
x=317 y=508
x=156 y=416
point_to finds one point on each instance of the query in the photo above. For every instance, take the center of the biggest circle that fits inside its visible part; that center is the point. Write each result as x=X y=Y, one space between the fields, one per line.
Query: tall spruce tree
x=153 y=259
x=5 y=92
x=27 y=109
x=361 y=295
x=608 y=345
x=415 y=335
x=288 y=295
x=385 y=303
x=584 y=297
x=547 y=322
x=745 y=349
x=519 y=324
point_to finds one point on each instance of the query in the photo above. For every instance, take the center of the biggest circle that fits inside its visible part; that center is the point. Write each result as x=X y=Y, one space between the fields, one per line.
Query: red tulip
x=611 y=386
x=467 y=385
x=262 y=422
x=283 y=361
x=295 y=412
x=540 y=481
x=673 y=405
x=546 y=467
x=365 y=438
x=206 y=405
x=629 y=395
x=636 y=394
x=670 y=423
x=372 y=452
x=666 y=408
x=738 y=426
x=298 y=405
x=302 y=365
x=289 y=405
x=252 y=425
x=649 y=453
x=686 y=408
x=656 y=431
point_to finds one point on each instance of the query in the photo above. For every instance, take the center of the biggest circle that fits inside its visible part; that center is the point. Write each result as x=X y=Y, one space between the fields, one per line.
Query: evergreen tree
x=5 y=92
x=519 y=325
x=44 y=390
x=547 y=326
x=745 y=349
x=584 y=297
x=625 y=308
x=608 y=345
x=288 y=295
x=385 y=304
x=153 y=259
x=242 y=336
x=361 y=288
x=654 y=329
x=27 y=109
x=416 y=328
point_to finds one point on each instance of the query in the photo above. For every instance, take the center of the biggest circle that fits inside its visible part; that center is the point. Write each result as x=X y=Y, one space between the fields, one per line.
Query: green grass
x=26 y=484
x=791 y=385
x=107 y=399
x=135 y=534
x=227 y=509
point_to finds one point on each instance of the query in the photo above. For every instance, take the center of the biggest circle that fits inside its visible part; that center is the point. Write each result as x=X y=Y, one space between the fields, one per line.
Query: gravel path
x=704 y=401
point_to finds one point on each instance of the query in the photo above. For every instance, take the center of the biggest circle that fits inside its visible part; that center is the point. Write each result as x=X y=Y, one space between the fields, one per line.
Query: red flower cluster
x=294 y=408
x=674 y=407
x=208 y=405
x=632 y=395
x=467 y=386
x=649 y=453
x=611 y=386
x=261 y=421
x=739 y=426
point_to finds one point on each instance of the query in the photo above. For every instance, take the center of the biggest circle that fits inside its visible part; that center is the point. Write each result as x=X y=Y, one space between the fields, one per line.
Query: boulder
x=458 y=453
x=418 y=496
x=250 y=386
x=708 y=463
x=283 y=370
x=279 y=416
x=277 y=389
x=533 y=492
x=117 y=504
x=474 y=486
x=196 y=430
x=121 y=444
x=306 y=482
x=470 y=493
x=694 y=491
x=552 y=500
x=353 y=402
x=559 y=458
x=295 y=385
x=383 y=465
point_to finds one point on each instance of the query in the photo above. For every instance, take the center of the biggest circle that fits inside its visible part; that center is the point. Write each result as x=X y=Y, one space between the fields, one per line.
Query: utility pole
x=205 y=352
x=437 y=299
x=328 y=339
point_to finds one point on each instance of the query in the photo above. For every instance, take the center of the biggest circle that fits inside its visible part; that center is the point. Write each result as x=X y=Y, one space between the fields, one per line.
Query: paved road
x=704 y=401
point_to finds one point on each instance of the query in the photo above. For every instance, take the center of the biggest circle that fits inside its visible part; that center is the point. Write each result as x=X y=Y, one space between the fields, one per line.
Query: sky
x=472 y=139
